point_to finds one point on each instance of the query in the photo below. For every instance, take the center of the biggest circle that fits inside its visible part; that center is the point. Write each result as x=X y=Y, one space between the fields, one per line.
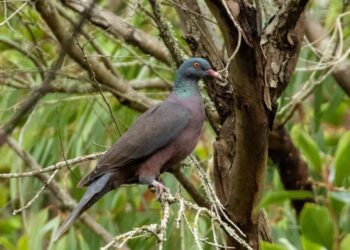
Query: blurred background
x=74 y=119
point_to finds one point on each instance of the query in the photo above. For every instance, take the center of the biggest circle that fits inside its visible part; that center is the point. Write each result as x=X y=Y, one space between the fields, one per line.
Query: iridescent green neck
x=186 y=87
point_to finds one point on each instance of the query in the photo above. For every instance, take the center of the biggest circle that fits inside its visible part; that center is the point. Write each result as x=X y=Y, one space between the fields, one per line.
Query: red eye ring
x=196 y=65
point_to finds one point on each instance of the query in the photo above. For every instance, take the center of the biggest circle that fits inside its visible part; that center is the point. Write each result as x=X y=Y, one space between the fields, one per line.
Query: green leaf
x=23 y=243
x=344 y=219
x=35 y=235
x=345 y=243
x=310 y=245
x=283 y=195
x=341 y=162
x=10 y=224
x=316 y=225
x=307 y=146
x=271 y=246
x=6 y=244
x=339 y=200
x=341 y=196
x=3 y=195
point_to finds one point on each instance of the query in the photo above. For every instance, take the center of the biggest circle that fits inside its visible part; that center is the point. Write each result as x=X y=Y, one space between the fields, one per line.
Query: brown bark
x=256 y=78
x=245 y=101
x=292 y=168
x=200 y=40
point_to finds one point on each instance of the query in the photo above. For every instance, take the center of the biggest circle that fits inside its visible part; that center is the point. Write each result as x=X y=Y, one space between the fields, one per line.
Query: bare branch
x=90 y=40
x=319 y=39
x=166 y=34
x=36 y=196
x=116 y=26
x=191 y=189
x=153 y=83
x=117 y=86
x=292 y=168
x=284 y=22
x=330 y=59
x=35 y=95
x=30 y=101
x=158 y=230
x=7 y=19
x=25 y=52
x=54 y=167
x=58 y=193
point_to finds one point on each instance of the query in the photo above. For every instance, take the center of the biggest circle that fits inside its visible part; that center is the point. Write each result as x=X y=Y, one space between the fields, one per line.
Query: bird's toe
x=159 y=188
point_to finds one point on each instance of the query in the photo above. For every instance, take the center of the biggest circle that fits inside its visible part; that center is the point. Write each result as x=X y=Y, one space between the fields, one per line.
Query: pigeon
x=160 y=138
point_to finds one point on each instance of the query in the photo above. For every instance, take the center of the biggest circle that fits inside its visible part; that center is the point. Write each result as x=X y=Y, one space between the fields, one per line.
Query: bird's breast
x=186 y=141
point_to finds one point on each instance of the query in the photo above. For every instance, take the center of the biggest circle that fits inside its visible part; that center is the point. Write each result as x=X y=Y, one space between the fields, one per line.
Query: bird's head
x=195 y=68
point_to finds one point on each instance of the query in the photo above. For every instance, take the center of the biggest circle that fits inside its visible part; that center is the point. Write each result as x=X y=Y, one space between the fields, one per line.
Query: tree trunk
x=261 y=65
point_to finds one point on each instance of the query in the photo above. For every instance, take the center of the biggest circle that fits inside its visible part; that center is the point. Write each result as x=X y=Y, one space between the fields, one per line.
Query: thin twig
x=65 y=200
x=13 y=14
x=56 y=166
x=97 y=85
x=29 y=203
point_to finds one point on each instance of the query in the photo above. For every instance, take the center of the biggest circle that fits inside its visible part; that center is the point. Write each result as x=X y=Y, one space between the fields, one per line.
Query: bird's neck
x=186 y=87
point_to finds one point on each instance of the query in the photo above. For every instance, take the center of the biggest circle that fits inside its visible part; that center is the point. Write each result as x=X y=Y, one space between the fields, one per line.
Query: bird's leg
x=154 y=184
x=159 y=188
x=160 y=180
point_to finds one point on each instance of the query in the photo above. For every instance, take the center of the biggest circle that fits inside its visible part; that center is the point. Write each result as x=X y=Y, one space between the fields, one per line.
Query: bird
x=159 y=139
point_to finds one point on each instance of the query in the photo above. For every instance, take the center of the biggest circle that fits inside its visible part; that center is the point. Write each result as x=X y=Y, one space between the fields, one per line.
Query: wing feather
x=153 y=130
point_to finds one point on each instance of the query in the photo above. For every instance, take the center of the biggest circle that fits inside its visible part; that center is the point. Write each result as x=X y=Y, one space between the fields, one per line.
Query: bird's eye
x=196 y=65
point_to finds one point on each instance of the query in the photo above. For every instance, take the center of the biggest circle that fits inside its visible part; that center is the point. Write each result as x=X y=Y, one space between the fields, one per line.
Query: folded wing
x=153 y=130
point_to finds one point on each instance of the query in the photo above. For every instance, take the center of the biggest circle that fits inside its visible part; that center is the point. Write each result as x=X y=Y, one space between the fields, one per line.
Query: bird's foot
x=158 y=188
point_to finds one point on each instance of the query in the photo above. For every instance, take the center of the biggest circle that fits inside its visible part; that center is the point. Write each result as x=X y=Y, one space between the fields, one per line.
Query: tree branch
x=118 y=86
x=66 y=201
x=319 y=39
x=25 y=52
x=292 y=168
x=120 y=29
x=165 y=31
x=30 y=101
x=56 y=166
x=280 y=42
x=35 y=95
x=284 y=22
x=201 y=43
x=104 y=58
x=191 y=189
x=258 y=74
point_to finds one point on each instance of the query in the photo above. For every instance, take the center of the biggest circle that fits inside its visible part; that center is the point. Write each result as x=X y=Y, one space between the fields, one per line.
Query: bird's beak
x=213 y=73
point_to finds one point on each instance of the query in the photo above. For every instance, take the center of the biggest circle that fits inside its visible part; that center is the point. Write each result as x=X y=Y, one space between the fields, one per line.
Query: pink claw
x=160 y=189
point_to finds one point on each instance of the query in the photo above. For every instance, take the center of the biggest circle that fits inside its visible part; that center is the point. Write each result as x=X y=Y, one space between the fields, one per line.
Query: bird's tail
x=95 y=191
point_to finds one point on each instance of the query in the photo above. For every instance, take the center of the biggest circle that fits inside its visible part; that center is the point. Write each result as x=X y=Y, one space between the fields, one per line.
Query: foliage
x=67 y=125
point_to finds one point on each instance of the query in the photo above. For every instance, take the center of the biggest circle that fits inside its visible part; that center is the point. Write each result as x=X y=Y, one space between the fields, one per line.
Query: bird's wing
x=153 y=130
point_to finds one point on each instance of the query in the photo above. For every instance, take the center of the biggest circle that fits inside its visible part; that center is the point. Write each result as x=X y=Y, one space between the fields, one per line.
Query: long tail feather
x=95 y=191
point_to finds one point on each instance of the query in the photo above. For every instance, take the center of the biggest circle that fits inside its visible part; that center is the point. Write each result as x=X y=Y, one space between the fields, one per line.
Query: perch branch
x=191 y=189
